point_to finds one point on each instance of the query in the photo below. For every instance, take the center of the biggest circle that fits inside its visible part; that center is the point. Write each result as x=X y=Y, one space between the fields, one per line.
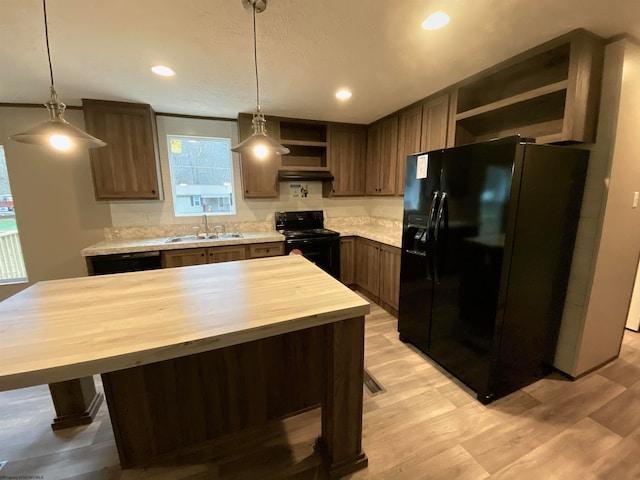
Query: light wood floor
x=424 y=425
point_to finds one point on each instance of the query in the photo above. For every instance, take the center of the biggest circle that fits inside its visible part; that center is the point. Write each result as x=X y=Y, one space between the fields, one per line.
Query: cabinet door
x=374 y=152
x=260 y=250
x=128 y=167
x=389 y=275
x=435 y=119
x=367 y=265
x=226 y=254
x=409 y=131
x=347 y=157
x=347 y=260
x=388 y=157
x=259 y=176
x=183 y=258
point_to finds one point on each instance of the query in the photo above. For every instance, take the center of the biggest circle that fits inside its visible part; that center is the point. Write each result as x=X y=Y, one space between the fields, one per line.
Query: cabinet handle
x=153 y=191
x=202 y=254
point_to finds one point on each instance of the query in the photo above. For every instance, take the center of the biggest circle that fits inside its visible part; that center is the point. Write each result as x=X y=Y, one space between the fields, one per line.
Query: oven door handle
x=308 y=241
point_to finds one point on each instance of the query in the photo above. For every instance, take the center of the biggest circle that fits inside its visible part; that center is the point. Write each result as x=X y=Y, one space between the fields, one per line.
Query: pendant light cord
x=255 y=56
x=46 y=35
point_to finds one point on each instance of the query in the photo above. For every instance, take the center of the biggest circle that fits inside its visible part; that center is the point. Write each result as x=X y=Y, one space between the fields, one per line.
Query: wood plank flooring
x=424 y=425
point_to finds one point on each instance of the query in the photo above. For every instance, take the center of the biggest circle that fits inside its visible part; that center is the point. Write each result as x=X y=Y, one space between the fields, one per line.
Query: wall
x=56 y=212
x=161 y=212
x=608 y=242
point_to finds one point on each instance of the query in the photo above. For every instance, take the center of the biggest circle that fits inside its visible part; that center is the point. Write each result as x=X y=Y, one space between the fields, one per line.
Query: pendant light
x=259 y=143
x=56 y=132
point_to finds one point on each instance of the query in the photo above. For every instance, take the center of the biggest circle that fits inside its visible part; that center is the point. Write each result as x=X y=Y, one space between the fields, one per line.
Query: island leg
x=76 y=402
x=341 y=442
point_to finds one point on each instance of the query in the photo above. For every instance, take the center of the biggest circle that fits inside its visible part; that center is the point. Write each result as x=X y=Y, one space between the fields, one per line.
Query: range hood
x=308 y=175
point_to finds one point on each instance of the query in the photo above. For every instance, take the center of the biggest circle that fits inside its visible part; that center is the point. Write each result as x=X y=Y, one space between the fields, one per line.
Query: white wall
x=56 y=212
x=140 y=213
x=608 y=243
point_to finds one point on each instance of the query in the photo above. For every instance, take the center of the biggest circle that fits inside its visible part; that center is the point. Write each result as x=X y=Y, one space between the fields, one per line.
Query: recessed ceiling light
x=162 y=70
x=343 y=94
x=435 y=20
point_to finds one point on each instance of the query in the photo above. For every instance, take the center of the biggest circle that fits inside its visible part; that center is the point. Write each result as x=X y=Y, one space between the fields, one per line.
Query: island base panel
x=76 y=402
x=340 y=445
x=169 y=409
x=175 y=410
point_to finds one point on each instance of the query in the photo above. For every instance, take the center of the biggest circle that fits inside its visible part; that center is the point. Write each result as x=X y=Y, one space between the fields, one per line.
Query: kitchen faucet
x=206 y=226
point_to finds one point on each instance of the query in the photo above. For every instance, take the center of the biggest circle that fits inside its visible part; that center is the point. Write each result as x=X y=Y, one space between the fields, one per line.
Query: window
x=201 y=175
x=12 y=268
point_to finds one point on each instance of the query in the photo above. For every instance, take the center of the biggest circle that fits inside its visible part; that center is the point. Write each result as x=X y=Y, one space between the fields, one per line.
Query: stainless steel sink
x=210 y=237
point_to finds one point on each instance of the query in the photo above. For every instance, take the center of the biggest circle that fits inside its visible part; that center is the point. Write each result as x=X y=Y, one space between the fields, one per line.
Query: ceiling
x=306 y=50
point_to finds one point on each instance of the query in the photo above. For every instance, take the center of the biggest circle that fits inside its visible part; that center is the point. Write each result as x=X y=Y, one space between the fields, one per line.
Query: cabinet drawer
x=226 y=254
x=259 y=250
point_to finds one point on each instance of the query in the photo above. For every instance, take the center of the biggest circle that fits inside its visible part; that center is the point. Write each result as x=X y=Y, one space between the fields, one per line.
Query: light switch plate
x=635 y=199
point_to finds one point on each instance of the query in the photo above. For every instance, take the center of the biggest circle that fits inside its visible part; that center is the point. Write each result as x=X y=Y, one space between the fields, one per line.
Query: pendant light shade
x=56 y=132
x=259 y=143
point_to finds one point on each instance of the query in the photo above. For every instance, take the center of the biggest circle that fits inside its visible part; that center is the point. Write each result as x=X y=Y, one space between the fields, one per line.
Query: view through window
x=201 y=175
x=12 y=268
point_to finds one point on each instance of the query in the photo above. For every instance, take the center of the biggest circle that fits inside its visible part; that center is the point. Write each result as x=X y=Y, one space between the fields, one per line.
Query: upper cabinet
x=435 y=124
x=346 y=159
x=409 y=131
x=259 y=175
x=128 y=167
x=382 y=155
x=550 y=93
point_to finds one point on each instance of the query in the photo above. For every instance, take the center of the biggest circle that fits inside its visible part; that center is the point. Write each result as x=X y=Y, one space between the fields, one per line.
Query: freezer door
x=469 y=239
x=421 y=199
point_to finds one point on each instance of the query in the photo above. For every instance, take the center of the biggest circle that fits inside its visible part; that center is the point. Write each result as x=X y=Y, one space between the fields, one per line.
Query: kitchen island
x=192 y=356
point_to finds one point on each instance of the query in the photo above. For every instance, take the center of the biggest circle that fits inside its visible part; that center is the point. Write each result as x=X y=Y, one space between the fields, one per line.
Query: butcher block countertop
x=63 y=329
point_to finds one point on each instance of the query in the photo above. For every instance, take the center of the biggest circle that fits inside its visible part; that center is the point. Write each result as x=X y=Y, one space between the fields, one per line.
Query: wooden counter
x=173 y=344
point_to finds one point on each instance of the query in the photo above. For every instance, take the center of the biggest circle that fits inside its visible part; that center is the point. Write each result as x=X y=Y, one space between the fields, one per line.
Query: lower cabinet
x=259 y=250
x=389 y=275
x=348 y=260
x=377 y=272
x=184 y=258
x=228 y=253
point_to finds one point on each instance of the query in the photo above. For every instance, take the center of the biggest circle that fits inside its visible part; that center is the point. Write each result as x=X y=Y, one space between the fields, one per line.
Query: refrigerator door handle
x=432 y=210
x=436 y=233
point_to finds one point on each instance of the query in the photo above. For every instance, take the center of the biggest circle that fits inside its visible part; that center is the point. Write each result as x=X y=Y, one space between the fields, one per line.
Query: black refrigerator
x=488 y=237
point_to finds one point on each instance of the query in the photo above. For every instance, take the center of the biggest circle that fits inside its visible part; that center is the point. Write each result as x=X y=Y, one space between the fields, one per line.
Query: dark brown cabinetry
x=367 y=265
x=389 y=275
x=128 y=167
x=435 y=122
x=347 y=159
x=225 y=253
x=348 y=260
x=184 y=258
x=377 y=272
x=260 y=250
x=382 y=154
x=409 y=131
x=259 y=176
x=550 y=93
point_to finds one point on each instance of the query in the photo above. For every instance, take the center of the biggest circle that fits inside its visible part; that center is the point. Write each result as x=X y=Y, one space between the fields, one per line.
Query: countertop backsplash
x=375 y=228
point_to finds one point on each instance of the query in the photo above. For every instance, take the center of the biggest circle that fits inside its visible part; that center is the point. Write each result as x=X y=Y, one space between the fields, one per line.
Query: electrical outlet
x=145 y=217
x=635 y=199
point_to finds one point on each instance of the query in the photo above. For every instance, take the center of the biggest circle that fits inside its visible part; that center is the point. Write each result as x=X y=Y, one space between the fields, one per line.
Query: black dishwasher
x=123 y=262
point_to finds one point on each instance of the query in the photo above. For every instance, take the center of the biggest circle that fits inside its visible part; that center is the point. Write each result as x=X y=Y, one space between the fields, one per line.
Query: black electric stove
x=304 y=231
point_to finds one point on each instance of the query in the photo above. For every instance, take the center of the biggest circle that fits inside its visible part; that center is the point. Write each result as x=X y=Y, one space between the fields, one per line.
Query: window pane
x=201 y=175
x=12 y=268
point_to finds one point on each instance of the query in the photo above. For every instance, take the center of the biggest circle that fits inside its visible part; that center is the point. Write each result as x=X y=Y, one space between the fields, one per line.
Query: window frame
x=233 y=202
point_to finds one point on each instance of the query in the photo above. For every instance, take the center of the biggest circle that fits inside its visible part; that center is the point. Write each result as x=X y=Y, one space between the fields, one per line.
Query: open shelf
x=302 y=132
x=550 y=93
x=525 y=97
